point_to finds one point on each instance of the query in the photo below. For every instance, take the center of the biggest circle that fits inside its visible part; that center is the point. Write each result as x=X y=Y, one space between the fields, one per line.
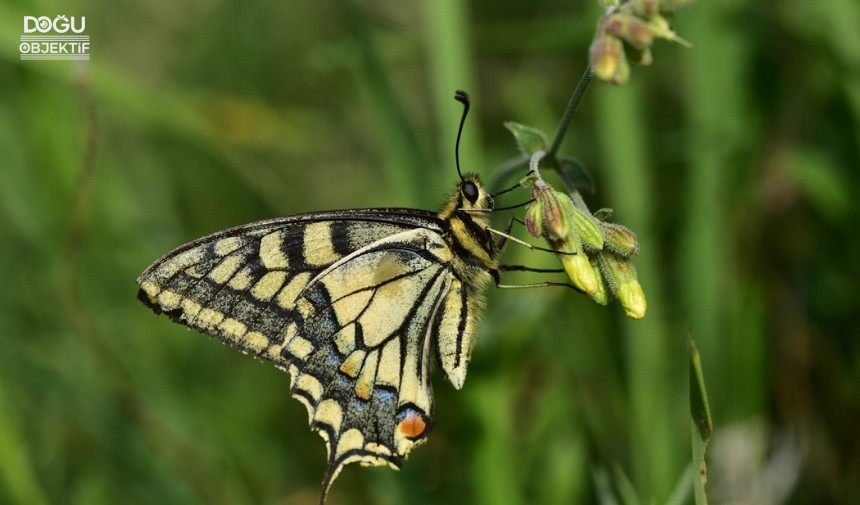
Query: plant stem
x=514 y=164
x=572 y=105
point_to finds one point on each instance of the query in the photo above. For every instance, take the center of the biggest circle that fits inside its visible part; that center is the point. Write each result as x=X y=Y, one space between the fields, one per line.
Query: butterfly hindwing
x=363 y=335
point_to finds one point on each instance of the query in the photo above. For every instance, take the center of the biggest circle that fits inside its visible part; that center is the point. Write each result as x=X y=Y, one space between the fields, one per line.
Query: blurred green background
x=735 y=162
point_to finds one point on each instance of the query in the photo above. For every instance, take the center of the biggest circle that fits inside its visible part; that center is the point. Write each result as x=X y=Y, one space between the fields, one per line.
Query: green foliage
x=701 y=424
x=529 y=140
x=734 y=162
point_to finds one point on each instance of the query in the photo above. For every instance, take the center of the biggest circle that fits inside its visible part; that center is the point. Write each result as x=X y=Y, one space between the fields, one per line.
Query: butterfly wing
x=349 y=303
x=240 y=284
x=359 y=348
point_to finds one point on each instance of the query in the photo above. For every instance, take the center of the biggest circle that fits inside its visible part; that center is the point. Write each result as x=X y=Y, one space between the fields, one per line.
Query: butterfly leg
x=538 y=285
x=523 y=268
x=506 y=235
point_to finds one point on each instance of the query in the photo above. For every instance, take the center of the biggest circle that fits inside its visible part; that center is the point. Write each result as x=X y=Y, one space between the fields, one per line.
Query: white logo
x=71 y=44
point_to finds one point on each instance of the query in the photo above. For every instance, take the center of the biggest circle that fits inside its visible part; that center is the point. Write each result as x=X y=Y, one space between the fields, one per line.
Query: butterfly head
x=472 y=194
x=470 y=197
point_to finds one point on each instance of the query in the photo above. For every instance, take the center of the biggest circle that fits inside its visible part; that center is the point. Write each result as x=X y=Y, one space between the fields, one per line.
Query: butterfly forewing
x=240 y=284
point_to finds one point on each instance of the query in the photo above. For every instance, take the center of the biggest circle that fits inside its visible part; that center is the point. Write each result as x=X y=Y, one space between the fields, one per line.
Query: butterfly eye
x=470 y=191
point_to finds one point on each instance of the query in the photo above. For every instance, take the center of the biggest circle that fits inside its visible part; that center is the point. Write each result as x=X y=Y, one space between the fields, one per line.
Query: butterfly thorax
x=466 y=229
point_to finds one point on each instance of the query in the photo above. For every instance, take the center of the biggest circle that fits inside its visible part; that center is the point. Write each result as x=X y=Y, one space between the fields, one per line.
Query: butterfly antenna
x=462 y=97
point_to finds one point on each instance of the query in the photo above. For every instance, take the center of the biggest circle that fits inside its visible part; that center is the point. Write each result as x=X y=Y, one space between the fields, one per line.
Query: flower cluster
x=595 y=253
x=627 y=31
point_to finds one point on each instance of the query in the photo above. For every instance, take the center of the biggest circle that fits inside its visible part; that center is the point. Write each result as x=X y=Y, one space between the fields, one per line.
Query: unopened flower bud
x=620 y=239
x=588 y=229
x=632 y=298
x=556 y=212
x=622 y=73
x=605 y=55
x=553 y=216
x=534 y=220
x=581 y=273
x=645 y=8
x=600 y=296
x=633 y=30
x=621 y=276
x=659 y=27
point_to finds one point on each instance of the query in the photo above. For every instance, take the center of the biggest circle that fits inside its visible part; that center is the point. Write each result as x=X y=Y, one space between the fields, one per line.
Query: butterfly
x=352 y=303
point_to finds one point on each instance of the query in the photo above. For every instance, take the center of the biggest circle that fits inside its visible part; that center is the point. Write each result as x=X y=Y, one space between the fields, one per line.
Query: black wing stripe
x=427 y=323
x=214 y=295
x=461 y=327
x=340 y=238
x=184 y=284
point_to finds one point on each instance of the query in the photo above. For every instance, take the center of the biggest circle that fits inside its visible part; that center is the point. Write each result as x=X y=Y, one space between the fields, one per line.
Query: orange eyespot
x=413 y=425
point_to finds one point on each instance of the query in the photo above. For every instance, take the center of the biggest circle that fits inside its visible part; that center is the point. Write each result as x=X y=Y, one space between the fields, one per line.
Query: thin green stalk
x=549 y=158
x=569 y=111
x=561 y=130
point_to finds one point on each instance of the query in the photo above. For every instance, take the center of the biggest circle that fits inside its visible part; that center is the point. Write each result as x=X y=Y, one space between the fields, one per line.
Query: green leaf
x=530 y=140
x=577 y=174
x=701 y=424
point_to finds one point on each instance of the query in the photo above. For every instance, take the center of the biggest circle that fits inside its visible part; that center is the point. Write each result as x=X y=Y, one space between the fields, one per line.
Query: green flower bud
x=556 y=211
x=622 y=73
x=606 y=54
x=645 y=8
x=659 y=27
x=554 y=217
x=600 y=296
x=632 y=298
x=633 y=30
x=621 y=276
x=534 y=219
x=588 y=229
x=620 y=239
x=581 y=273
